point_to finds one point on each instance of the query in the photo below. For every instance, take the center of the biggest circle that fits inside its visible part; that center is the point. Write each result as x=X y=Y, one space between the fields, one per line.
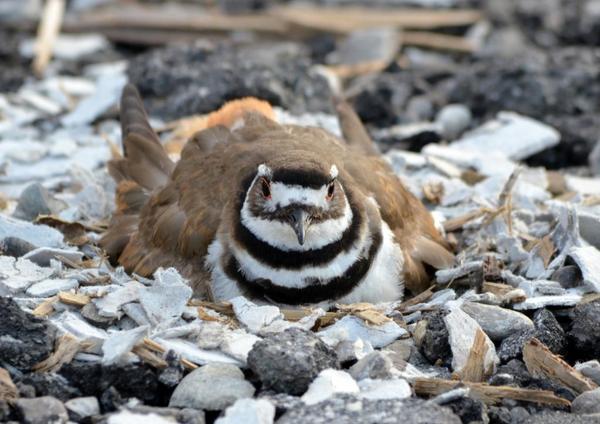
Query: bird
x=281 y=214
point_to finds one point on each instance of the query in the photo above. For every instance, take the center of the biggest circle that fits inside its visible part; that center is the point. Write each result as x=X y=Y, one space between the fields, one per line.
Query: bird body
x=279 y=213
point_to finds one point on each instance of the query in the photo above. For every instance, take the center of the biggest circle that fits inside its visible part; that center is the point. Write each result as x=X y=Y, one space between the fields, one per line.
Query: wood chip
x=366 y=312
x=46 y=307
x=474 y=369
x=74 y=299
x=48 y=30
x=486 y=393
x=8 y=390
x=66 y=348
x=343 y=20
x=149 y=356
x=541 y=362
x=498 y=289
x=420 y=298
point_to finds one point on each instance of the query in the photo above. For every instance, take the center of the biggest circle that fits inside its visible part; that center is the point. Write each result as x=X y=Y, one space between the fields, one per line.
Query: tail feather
x=353 y=130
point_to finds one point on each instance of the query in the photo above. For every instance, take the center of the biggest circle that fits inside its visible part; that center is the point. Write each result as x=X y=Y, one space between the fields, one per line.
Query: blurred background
x=401 y=63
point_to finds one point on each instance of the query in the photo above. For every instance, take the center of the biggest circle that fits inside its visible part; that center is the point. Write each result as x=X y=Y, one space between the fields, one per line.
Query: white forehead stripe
x=333 y=171
x=283 y=195
x=264 y=171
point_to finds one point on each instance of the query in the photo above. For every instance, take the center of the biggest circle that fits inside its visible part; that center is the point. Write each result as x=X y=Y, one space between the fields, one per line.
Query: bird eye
x=266 y=188
x=330 y=191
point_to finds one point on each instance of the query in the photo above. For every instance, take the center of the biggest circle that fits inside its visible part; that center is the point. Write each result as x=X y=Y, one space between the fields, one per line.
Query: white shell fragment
x=328 y=383
x=588 y=260
x=166 y=298
x=461 y=331
x=249 y=411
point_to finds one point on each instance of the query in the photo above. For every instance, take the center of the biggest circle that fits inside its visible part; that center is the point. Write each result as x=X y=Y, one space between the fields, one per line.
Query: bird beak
x=299 y=222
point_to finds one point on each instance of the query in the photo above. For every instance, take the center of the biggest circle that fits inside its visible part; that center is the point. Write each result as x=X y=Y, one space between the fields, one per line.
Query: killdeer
x=278 y=213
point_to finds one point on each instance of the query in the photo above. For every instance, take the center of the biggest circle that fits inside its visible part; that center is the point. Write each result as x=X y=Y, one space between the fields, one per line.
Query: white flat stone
x=249 y=411
x=328 y=383
x=73 y=324
x=583 y=185
x=38 y=235
x=384 y=389
x=510 y=134
x=196 y=355
x=120 y=343
x=51 y=287
x=167 y=297
x=18 y=275
x=565 y=300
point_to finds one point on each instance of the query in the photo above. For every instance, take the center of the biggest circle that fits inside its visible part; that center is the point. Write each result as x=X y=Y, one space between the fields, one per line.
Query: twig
x=488 y=394
x=48 y=30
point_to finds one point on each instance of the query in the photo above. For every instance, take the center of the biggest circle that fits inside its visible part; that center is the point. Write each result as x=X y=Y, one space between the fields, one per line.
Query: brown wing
x=151 y=226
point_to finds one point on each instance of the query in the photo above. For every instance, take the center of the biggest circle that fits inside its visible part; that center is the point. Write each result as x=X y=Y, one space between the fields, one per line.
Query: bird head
x=296 y=208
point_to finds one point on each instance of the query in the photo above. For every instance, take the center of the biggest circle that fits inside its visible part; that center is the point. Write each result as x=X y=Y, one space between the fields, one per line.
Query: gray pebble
x=82 y=407
x=454 y=119
x=41 y=410
x=288 y=362
x=375 y=365
x=587 y=403
x=212 y=387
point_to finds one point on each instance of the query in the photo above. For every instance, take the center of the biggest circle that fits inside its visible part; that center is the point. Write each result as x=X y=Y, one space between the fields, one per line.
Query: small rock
x=568 y=276
x=35 y=200
x=249 y=411
x=434 y=343
x=49 y=288
x=26 y=339
x=587 y=403
x=419 y=109
x=41 y=410
x=18 y=275
x=469 y=410
x=253 y=317
x=44 y=255
x=349 y=409
x=584 y=332
x=127 y=417
x=376 y=365
x=288 y=362
x=453 y=119
x=82 y=407
x=212 y=387
x=328 y=383
x=15 y=247
x=498 y=323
